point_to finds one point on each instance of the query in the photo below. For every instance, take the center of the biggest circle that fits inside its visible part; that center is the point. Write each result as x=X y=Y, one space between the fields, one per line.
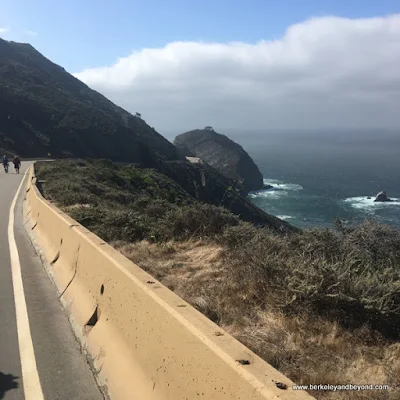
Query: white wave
x=368 y=204
x=268 y=193
x=281 y=185
x=284 y=217
x=278 y=189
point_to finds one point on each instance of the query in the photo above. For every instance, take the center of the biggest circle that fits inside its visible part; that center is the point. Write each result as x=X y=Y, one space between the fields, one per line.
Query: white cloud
x=30 y=33
x=323 y=72
x=3 y=30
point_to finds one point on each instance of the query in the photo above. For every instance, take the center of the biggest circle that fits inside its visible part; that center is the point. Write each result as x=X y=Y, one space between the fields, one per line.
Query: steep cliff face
x=222 y=153
x=44 y=109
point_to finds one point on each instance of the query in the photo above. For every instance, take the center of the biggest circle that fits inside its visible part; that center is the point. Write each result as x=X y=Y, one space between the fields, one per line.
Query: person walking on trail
x=17 y=164
x=5 y=163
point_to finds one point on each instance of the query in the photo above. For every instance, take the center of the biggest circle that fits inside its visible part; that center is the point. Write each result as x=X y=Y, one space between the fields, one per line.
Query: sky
x=259 y=64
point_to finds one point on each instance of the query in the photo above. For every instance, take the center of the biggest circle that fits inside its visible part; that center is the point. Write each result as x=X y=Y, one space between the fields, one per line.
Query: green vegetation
x=128 y=203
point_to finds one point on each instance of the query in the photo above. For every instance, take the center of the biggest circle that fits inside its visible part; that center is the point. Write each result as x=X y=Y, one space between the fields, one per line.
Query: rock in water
x=222 y=153
x=381 y=196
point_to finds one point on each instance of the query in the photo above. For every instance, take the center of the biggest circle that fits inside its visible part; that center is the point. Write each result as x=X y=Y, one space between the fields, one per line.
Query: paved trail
x=40 y=358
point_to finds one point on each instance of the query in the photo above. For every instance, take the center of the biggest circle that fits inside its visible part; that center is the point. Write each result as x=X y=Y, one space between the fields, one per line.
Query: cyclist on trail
x=5 y=162
x=17 y=164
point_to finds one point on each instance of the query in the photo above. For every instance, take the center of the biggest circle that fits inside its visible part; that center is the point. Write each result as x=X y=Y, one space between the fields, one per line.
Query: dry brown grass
x=306 y=348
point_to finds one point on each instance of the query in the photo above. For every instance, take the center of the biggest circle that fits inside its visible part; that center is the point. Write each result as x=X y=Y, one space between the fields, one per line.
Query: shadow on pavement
x=7 y=382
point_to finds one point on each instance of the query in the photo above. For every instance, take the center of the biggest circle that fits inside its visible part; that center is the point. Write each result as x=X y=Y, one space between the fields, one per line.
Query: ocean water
x=320 y=176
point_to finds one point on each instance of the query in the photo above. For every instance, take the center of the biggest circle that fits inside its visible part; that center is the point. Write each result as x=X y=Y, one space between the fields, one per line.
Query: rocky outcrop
x=381 y=197
x=223 y=154
x=44 y=109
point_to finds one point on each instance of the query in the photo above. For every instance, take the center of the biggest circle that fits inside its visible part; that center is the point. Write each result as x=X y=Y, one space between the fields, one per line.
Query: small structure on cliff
x=194 y=160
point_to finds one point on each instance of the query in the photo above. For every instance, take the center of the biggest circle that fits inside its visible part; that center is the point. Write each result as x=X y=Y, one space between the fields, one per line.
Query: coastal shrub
x=129 y=204
x=352 y=277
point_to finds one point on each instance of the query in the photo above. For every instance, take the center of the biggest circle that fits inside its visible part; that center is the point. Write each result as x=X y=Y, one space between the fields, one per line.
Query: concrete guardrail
x=144 y=341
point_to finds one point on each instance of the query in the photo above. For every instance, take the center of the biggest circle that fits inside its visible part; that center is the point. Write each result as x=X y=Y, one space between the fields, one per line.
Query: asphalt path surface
x=40 y=357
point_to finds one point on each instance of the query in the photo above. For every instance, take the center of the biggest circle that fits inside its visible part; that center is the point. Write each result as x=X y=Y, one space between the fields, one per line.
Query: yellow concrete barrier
x=145 y=341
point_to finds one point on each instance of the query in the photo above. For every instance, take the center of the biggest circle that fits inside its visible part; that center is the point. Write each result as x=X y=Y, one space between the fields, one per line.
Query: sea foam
x=368 y=204
x=281 y=185
x=284 y=217
x=279 y=188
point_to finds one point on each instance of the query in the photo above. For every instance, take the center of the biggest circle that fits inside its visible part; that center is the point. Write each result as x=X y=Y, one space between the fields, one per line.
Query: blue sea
x=323 y=175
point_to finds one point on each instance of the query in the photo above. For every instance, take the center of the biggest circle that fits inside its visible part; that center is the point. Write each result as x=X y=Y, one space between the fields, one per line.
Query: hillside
x=44 y=109
x=222 y=153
